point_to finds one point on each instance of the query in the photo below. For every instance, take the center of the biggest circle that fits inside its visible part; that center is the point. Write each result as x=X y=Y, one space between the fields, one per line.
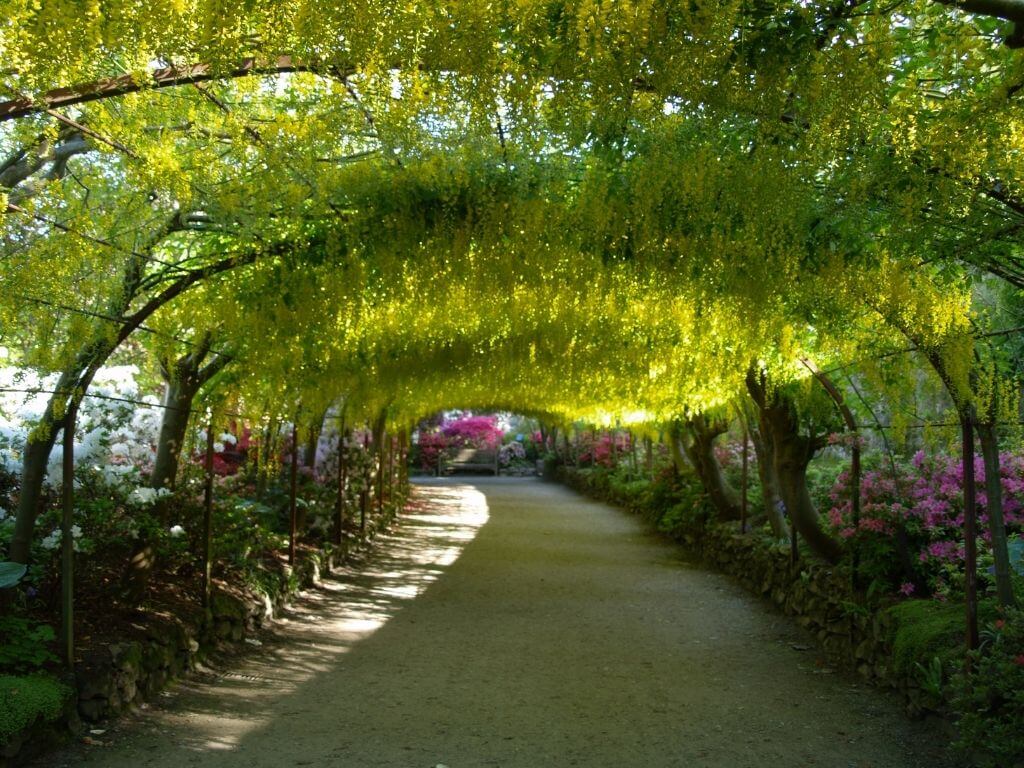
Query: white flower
x=176 y=531
x=76 y=531
x=227 y=437
x=218 y=447
x=3 y=513
x=52 y=541
x=145 y=496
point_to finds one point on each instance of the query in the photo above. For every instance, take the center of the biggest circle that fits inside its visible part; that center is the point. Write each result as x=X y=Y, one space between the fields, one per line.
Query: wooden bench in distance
x=468 y=458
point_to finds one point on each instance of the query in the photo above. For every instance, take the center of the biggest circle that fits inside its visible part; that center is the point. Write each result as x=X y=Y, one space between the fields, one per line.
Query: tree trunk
x=265 y=458
x=701 y=452
x=39 y=446
x=339 y=511
x=173 y=427
x=994 y=506
x=75 y=380
x=379 y=430
x=793 y=452
x=675 y=437
x=184 y=379
x=769 y=483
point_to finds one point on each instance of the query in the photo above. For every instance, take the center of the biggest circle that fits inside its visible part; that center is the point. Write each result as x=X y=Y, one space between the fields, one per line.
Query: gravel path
x=509 y=622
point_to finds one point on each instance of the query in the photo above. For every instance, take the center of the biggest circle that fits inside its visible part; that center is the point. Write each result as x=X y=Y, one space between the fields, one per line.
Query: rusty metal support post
x=208 y=517
x=380 y=450
x=364 y=496
x=392 y=450
x=339 y=510
x=292 y=492
x=67 y=548
x=744 y=482
x=970 y=533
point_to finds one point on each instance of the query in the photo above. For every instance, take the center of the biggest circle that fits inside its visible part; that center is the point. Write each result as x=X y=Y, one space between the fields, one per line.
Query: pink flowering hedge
x=911 y=523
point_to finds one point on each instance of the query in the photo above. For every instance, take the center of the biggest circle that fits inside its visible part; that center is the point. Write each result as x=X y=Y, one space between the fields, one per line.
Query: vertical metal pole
x=380 y=450
x=633 y=471
x=970 y=533
x=339 y=520
x=855 y=508
x=391 y=469
x=365 y=493
x=292 y=490
x=208 y=517
x=67 y=548
x=404 y=476
x=744 y=483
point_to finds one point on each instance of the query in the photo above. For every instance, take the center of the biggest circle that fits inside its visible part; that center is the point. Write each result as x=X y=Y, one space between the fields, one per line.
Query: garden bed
x=126 y=658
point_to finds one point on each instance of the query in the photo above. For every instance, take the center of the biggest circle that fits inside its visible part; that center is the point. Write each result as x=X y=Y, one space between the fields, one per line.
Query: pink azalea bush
x=464 y=432
x=598 y=449
x=473 y=431
x=910 y=532
x=431 y=445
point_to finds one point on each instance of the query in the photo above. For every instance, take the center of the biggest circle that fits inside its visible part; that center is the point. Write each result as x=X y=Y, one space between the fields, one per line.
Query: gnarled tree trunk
x=793 y=451
x=675 y=447
x=701 y=453
x=769 y=484
x=184 y=379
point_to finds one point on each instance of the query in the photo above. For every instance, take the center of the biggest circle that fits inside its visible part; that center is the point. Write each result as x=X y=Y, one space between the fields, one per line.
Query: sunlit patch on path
x=510 y=623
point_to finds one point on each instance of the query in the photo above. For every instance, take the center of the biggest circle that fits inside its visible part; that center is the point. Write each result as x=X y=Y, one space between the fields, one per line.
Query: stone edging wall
x=821 y=600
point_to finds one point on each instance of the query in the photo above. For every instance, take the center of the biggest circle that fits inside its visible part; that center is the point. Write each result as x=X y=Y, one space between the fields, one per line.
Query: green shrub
x=989 y=702
x=24 y=644
x=23 y=700
x=685 y=519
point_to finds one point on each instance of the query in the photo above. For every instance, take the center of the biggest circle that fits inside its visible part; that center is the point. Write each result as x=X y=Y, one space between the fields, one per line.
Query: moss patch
x=24 y=699
x=926 y=629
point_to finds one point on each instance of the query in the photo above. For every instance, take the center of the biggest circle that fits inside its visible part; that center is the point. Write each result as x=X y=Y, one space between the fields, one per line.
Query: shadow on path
x=508 y=622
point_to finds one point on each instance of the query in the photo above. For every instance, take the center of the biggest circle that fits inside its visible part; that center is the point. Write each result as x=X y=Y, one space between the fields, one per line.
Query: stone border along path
x=510 y=622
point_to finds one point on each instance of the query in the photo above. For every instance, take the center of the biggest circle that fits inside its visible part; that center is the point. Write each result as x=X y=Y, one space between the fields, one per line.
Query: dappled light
x=349 y=607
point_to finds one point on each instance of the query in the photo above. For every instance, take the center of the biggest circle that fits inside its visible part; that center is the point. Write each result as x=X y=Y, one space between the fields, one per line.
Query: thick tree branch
x=25 y=163
x=159 y=78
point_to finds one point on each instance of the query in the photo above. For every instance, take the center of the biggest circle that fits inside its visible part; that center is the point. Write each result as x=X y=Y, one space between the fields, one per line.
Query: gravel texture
x=509 y=622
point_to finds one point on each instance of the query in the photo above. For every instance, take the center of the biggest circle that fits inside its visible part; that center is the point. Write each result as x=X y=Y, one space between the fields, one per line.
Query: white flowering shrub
x=146 y=497
x=511 y=452
x=115 y=437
